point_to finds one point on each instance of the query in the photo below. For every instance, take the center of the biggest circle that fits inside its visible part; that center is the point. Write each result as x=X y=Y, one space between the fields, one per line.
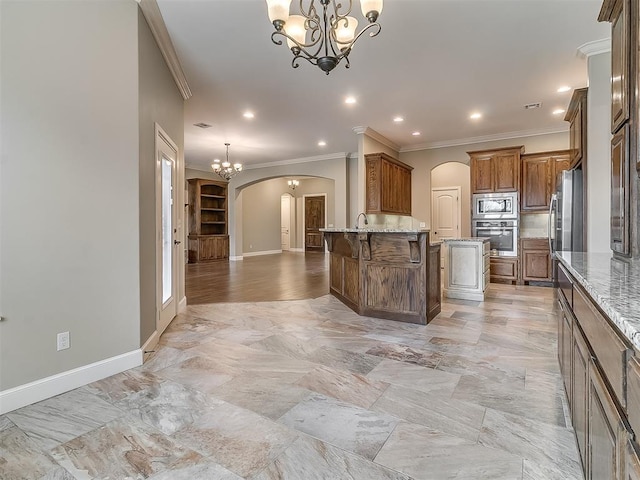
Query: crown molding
x=319 y=158
x=152 y=14
x=594 y=48
x=484 y=138
x=371 y=133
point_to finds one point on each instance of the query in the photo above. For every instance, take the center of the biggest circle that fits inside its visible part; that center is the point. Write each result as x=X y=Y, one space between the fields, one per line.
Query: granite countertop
x=613 y=284
x=374 y=229
x=467 y=239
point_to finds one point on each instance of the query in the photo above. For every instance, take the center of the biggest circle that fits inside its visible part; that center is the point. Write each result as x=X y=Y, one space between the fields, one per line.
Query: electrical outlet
x=63 y=341
x=250 y=246
x=423 y=225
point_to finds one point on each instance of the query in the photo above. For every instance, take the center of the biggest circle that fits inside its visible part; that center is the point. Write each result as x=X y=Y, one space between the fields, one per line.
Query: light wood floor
x=286 y=276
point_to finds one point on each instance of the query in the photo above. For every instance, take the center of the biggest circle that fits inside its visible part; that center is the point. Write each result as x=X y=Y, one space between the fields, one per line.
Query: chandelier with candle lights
x=225 y=169
x=323 y=39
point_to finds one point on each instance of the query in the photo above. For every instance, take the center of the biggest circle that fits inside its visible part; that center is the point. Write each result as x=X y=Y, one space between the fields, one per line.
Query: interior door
x=167 y=231
x=285 y=222
x=314 y=213
x=445 y=213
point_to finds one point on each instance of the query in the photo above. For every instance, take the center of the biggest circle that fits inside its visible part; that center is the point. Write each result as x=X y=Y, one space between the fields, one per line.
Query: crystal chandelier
x=225 y=169
x=323 y=39
x=293 y=184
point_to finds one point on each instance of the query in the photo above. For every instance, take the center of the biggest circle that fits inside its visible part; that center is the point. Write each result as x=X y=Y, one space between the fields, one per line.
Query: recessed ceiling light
x=248 y=115
x=475 y=116
x=558 y=111
x=322 y=143
x=563 y=89
x=416 y=134
x=398 y=119
x=350 y=100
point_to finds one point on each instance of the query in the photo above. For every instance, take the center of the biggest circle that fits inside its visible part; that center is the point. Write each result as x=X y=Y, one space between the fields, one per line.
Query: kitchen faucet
x=366 y=221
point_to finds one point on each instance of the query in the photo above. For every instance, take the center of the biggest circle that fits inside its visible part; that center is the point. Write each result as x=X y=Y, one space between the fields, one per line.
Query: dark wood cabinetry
x=623 y=16
x=598 y=367
x=539 y=174
x=208 y=235
x=388 y=188
x=577 y=117
x=503 y=269
x=535 y=260
x=496 y=170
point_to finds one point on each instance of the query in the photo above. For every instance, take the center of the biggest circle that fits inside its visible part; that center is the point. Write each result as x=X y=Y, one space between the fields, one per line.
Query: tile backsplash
x=533 y=225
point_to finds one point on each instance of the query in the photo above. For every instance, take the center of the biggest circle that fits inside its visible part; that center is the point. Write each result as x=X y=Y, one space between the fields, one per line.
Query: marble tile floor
x=307 y=389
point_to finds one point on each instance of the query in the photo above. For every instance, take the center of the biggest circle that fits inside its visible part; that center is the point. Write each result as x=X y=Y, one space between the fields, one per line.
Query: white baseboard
x=297 y=250
x=236 y=258
x=48 y=387
x=150 y=345
x=182 y=305
x=265 y=252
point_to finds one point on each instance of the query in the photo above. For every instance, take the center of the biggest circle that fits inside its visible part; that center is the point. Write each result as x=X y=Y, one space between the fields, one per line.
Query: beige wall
x=456 y=174
x=598 y=153
x=423 y=161
x=69 y=191
x=159 y=102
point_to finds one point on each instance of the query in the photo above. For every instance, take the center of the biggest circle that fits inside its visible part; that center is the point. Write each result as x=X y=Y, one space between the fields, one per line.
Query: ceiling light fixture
x=564 y=89
x=350 y=100
x=416 y=134
x=248 y=115
x=293 y=184
x=475 y=116
x=225 y=169
x=398 y=119
x=322 y=143
x=558 y=111
x=323 y=39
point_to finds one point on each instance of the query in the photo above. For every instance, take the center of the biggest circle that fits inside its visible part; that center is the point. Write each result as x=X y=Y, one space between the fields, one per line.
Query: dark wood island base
x=388 y=274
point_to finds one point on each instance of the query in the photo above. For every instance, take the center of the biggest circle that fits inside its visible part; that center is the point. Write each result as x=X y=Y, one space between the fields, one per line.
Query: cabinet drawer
x=534 y=243
x=486 y=261
x=607 y=346
x=633 y=396
x=565 y=285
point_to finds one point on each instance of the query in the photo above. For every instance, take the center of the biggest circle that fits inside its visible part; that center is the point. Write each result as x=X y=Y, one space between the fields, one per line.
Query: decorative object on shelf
x=225 y=169
x=293 y=184
x=322 y=39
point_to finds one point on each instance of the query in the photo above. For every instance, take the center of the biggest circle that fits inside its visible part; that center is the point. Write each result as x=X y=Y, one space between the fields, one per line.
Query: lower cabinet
x=466 y=269
x=581 y=361
x=607 y=438
x=535 y=260
x=205 y=248
x=504 y=269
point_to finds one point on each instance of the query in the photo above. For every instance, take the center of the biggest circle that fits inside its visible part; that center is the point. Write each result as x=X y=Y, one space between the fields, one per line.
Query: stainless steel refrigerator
x=565 y=213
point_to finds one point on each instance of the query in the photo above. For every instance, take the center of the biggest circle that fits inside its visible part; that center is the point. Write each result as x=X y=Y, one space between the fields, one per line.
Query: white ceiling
x=434 y=62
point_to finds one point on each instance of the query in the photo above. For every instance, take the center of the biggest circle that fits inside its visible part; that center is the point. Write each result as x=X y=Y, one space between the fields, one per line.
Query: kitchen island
x=385 y=273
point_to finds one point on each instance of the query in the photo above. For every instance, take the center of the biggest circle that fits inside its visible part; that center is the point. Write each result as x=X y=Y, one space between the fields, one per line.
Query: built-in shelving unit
x=208 y=234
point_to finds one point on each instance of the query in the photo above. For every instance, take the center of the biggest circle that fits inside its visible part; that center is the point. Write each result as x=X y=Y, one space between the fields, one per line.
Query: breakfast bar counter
x=385 y=273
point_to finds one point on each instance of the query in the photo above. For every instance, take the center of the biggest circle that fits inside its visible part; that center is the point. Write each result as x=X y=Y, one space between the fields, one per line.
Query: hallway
x=306 y=389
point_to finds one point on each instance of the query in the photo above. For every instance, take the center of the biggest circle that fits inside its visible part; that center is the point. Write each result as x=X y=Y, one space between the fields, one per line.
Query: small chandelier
x=293 y=184
x=225 y=169
x=322 y=39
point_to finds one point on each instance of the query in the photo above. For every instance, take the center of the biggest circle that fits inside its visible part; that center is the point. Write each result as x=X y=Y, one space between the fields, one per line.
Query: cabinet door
x=213 y=247
x=536 y=265
x=575 y=135
x=559 y=164
x=607 y=436
x=580 y=389
x=507 y=172
x=567 y=357
x=620 y=65
x=482 y=174
x=536 y=184
x=504 y=268
x=620 y=192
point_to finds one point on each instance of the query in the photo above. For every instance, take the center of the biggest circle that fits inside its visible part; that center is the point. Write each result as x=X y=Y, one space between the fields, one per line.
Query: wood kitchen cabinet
x=503 y=269
x=620 y=193
x=577 y=117
x=535 y=260
x=208 y=236
x=388 y=185
x=495 y=170
x=538 y=182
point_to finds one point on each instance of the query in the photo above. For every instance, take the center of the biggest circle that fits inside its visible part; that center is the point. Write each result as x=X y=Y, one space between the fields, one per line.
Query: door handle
x=177 y=242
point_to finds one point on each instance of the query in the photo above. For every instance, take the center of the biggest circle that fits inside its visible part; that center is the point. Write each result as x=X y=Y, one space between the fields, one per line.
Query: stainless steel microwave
x=495 y=205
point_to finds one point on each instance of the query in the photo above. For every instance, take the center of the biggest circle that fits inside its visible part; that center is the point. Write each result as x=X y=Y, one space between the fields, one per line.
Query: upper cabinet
x=388 y=185
x=496 y=170
x=623 y=15
x=539 y=174
x=577 y=118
